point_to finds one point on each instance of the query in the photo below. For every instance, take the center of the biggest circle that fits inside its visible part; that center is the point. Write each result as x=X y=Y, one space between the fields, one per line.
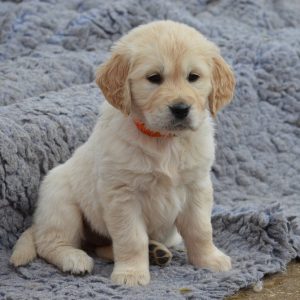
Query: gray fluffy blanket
x=49 y=50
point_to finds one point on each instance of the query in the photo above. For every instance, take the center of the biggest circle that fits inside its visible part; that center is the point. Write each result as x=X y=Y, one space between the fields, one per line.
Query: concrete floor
x=280 y=286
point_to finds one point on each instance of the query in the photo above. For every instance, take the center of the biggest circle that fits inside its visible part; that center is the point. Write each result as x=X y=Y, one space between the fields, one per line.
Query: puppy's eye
x=193 y=77
x=155 y=78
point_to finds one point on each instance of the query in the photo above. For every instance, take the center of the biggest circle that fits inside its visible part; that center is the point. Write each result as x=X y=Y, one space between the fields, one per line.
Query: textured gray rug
x=48 y=105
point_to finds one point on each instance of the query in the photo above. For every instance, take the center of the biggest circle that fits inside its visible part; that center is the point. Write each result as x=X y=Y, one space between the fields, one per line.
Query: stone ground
x=279 y=286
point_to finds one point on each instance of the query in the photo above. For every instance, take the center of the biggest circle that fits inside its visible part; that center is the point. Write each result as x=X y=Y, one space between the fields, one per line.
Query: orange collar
x=141 y=127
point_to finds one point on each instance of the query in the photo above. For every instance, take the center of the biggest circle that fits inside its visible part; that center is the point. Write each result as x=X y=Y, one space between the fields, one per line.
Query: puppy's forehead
x=164 y=42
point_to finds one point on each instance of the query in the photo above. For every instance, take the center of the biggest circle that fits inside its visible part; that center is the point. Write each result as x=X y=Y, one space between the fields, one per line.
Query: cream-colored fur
x=127 y=185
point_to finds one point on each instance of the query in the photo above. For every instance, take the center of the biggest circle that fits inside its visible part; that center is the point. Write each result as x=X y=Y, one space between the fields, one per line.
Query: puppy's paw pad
x=77 y=262
x=131 y=278
x=159 y=254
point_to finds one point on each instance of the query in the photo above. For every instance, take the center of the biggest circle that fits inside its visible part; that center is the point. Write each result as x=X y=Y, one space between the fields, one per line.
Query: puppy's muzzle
x=180 y=110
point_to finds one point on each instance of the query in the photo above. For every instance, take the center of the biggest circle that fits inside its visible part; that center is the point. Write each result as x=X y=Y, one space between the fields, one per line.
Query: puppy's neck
x=155 y=134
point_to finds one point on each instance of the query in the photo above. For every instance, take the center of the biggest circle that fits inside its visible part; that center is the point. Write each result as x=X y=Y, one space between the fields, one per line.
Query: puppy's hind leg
x=24 y=251
x=58 y=227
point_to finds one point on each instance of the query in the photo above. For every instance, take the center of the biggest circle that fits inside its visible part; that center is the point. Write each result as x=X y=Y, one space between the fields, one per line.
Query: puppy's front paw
x=77 y=262
x=130 y=277
x=214 y=260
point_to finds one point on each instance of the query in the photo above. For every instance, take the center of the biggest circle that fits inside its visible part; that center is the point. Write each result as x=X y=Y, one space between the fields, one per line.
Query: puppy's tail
x=24 y=250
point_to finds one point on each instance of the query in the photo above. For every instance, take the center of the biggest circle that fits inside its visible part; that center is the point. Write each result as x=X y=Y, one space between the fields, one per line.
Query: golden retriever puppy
x=144 y=173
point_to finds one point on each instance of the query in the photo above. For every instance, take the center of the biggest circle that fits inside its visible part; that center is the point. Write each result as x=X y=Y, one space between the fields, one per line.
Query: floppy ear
x=112 y=79
x=223 y=83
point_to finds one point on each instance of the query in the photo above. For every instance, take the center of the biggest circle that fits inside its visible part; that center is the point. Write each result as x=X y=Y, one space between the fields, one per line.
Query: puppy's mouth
x=176 y=125
x=168 y=124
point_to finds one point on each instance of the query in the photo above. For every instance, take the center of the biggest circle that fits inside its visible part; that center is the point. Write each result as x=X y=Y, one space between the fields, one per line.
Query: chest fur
x=157 y=174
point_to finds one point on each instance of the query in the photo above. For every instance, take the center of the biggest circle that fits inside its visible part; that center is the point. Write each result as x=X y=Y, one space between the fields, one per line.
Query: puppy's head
x=167 y=75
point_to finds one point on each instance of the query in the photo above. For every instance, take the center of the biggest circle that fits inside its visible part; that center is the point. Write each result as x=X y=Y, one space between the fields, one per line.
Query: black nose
x=180 y=110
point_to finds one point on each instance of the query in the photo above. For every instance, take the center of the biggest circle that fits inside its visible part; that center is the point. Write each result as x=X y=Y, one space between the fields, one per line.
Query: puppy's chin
x=172 y=126
x=176 y=126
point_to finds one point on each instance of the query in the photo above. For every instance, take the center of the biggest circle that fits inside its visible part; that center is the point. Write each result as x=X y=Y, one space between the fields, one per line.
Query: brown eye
x=193 y=77
x=155 y=78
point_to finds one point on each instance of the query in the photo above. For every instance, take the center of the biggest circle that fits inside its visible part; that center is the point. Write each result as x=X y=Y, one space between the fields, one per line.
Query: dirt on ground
x=279 y=286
